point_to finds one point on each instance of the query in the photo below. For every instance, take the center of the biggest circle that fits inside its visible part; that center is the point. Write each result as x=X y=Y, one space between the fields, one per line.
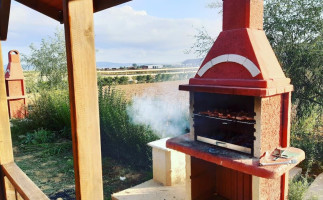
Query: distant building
x=155 y=66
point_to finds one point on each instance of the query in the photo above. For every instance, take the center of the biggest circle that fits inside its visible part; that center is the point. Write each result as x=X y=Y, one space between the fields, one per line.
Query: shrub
x=123 y=80
x=298 y=188
x=149 y=79
x=105 y=81
x=166 y=77
x=116 y=79
x=50 y=111
x=119 y=137
x=141 y=79
x=158 y=78
x=306 y=135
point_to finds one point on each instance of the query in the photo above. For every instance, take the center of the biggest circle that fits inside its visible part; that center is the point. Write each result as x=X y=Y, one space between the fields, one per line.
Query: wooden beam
x=6 y=153
x=4 y=18
x=44 y=8
x=104 y=4
x=22 y=183
x=79 y=34
x=10 y=190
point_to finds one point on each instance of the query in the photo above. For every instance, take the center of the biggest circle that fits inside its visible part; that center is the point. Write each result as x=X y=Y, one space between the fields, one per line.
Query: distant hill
x=192 y=62
x=112 y=65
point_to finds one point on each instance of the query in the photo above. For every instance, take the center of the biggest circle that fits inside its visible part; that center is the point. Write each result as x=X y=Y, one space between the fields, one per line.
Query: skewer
x=293 y=161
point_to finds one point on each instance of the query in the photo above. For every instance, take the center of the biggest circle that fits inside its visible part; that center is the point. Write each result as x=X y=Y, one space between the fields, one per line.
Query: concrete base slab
x=316 y=189
x=151 y=190
x=295 y=172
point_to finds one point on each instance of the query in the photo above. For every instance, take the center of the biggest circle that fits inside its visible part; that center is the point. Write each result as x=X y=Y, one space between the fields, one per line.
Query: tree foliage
x=203 y=42
x=49 y=59
x=295 y=30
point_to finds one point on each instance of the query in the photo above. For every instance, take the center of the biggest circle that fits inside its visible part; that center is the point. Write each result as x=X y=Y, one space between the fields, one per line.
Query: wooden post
x=10 y=190
x=6 y=153
x=79 y=34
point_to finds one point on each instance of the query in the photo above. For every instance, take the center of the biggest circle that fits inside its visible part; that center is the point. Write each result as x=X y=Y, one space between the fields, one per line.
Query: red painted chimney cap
x=243 y=14
x=14 y=69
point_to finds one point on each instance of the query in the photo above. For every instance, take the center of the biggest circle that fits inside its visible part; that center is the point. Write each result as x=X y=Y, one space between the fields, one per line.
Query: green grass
x=48 y=165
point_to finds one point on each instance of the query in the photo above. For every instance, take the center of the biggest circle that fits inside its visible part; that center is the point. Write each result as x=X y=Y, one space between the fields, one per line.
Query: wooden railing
x=18 y=186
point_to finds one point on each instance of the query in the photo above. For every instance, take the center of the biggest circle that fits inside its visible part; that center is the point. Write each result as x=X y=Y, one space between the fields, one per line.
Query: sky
x=140 y=31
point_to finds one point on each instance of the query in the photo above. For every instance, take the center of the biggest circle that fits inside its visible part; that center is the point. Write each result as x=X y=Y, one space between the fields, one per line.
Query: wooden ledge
x=23 y=185
x=231 y=159
x=247 y=91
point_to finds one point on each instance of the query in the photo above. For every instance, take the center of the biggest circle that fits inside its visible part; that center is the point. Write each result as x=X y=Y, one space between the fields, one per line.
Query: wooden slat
x=240 y=186
x=203 y=179
x=228 y=183
x=233 y=193
x=4 y=18
x=24 y=186
x=247 y=186
x=19 y=197
x=104 y=4
x=6 y=153
x=52 y=11
x=10 y=190
x=82 y=77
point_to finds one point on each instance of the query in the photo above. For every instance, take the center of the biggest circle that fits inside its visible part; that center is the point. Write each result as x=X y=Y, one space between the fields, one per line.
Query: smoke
x=166 y=115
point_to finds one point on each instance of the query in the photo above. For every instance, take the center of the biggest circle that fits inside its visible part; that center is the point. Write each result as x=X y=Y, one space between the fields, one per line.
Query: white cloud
x=26 y=24
x=122 y=34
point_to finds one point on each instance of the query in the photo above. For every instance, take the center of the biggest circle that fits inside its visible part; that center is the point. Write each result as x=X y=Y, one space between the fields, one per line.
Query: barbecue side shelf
x=231 y=159
x=225 y=119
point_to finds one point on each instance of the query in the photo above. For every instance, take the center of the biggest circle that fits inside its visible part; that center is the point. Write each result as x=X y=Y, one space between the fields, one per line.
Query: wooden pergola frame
x=77 y=16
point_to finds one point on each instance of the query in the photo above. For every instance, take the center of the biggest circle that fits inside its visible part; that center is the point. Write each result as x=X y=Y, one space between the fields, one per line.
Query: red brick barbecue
x=15 y=86
x=240 y=103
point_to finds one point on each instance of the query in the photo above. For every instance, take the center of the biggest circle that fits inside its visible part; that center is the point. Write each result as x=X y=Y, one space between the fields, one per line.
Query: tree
x=49 y=59
x=295 y=31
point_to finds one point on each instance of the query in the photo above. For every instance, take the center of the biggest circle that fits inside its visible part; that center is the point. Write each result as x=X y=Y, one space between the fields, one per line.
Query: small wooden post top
x=238 y=14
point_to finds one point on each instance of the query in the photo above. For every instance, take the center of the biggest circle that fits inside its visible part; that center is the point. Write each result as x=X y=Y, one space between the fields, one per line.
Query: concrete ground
x=151 y=190
x=316 y=189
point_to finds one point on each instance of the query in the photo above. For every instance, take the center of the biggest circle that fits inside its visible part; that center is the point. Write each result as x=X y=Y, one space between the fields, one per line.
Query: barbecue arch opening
x=245 y=62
